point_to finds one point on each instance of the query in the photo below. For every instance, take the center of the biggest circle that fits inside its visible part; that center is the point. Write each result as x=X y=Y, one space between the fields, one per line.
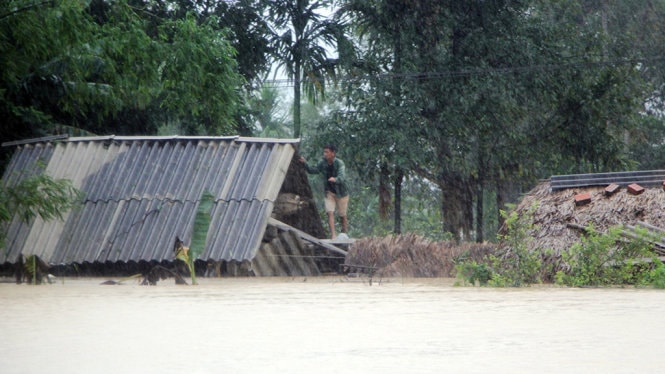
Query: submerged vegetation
x=603 y=259
x=513 y=264
x=599 y=259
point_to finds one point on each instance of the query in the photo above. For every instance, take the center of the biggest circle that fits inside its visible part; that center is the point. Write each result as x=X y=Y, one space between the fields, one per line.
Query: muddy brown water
x=328 y=325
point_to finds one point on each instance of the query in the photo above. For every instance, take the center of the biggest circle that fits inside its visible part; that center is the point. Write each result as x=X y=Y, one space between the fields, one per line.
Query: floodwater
x=328 y=325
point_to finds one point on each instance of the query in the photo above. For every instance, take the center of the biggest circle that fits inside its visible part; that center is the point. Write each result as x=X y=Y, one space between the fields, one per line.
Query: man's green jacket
x=339 y=172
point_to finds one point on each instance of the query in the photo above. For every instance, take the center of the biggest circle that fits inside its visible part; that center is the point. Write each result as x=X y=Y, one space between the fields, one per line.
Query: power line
x=284 y=83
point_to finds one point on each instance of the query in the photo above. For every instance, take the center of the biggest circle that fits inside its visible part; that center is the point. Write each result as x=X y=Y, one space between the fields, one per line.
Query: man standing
x=333 y=171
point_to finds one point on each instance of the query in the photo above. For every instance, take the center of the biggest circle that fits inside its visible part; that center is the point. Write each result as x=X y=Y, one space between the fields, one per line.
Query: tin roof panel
x=141 y=192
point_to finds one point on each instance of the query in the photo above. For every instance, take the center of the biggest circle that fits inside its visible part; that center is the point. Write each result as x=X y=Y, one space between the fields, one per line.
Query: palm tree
x=264 y=108
x=301 y=40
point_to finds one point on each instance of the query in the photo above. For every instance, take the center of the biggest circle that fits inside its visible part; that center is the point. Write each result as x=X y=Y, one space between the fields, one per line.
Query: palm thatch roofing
x=411 y=255
x=557 y=218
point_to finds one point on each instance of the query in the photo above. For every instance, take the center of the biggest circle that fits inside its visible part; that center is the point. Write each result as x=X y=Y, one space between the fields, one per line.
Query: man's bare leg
x=345 y=225
x=331 y=224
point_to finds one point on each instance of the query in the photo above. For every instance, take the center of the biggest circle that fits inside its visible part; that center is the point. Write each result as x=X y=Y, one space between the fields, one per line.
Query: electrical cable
x=420 y=76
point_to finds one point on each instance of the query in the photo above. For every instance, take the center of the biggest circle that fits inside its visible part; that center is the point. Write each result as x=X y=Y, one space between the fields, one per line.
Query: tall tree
x=96 y=66
x=265 y=110
x=302 y=34
x=597 y=90
x=199 y=77
x=471 y=71
x=380 y=115
x=241 y=20
x=44 y=65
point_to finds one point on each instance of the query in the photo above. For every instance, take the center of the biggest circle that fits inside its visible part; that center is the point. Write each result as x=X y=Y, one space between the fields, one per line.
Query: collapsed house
x=140 y=193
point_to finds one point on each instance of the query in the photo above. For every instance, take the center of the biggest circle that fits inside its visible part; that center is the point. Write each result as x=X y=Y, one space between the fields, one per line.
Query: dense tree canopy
x=468 y=101
x=99 y=67
x=482 y=98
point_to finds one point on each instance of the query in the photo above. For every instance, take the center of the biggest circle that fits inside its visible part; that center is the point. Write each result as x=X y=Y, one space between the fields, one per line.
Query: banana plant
x=199 y=235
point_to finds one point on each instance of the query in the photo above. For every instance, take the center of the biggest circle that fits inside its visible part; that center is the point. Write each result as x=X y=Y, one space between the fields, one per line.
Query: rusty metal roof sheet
x=140 y=192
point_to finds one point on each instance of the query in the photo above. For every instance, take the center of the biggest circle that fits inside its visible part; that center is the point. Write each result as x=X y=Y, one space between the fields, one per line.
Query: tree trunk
x=452 y=211
x=384 y=192
x=480 y=190
x=457 y=208
x=296 y=100
x=479 y=211
x=398 y=201
x=500 y=200
x=466 y=189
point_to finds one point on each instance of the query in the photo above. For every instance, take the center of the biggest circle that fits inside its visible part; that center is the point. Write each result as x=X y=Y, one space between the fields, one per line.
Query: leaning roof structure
x=141 y=192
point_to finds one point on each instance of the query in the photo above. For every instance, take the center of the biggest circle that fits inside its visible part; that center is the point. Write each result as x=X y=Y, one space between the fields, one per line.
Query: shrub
x=471 y=272
x=609 y=258
x=514 y=265
x=656 y=276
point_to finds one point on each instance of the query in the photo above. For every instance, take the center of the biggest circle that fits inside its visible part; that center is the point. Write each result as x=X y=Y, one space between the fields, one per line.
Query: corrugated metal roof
x=140 y=192
x=644 y=178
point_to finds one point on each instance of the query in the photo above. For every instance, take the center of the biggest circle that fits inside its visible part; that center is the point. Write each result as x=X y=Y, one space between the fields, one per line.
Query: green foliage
x=300 y=38
x=514 y=265
x=199 y=76
x=656 y=276
x=482 y=98
x=200 y=231
x=517 y=265
x=42 y=65
x=106 y=67
x=202 y=223
x=182 y=254
x=31 y=268
x=266 y=114
x=39 y=195
x=646 y=146
x=472 y=273
x=603 y=259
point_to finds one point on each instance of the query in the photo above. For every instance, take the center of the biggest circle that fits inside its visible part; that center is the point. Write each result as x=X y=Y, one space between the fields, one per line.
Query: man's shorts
x=341 y=203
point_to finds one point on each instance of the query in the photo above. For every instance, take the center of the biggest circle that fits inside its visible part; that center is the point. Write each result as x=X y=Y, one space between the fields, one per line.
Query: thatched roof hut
x=557 y=216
